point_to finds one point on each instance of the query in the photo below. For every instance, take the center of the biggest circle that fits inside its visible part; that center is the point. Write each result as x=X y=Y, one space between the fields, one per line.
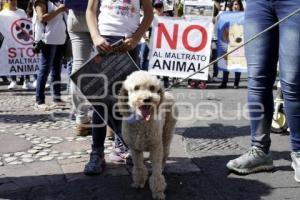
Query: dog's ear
x=123 y=107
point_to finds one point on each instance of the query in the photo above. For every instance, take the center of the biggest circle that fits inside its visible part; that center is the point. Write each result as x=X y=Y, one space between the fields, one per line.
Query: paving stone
x=1 y=163
x=43 y=153
x=19 y=153
x=107 y=151
x=16 y=144
x=45 y=145
x=37 y=147
x=54 y=142
x=56 y=138
x=110 y=148
x=15 y=163
x=107 y=145
x=66 y=154
x=46 y=158
x=72 y=147
x=18 y=134
x=27 y=160
x=74 y=156
x=26 y=156
x=78 y=152
x=10 y=159
x=81 y=139
x=33 y=151
x=6 y=155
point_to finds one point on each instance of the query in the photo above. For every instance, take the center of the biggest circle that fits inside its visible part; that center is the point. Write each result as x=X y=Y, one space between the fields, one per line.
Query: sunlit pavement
x=42 y=158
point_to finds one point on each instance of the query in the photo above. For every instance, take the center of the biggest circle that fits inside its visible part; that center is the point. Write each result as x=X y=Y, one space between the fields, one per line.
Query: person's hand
x=62 y=8
x=102 y=45
x=129 y=44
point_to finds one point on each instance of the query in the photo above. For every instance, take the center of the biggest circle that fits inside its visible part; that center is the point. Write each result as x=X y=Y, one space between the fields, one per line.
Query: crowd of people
x=88 y=24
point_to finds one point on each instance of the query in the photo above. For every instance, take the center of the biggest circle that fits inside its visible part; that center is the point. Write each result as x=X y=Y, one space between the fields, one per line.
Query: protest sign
x=16 y=52
x=198 y=8
x=100 y=79
x=180 y=47
x=230 y=27
x=168 y=5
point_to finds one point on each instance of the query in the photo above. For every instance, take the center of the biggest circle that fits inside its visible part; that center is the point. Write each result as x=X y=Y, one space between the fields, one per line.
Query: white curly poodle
x=149 y=118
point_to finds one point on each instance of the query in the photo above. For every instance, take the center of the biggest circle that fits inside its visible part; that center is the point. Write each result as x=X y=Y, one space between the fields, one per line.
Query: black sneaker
x=95 y=166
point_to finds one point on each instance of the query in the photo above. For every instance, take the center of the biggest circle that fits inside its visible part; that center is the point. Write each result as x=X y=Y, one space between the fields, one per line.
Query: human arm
x=91 y=19
x=131 y=42
x=41 y=10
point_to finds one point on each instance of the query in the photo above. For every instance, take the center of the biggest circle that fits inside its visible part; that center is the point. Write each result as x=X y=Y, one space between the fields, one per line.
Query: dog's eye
x=152 y=88
x=136 y=87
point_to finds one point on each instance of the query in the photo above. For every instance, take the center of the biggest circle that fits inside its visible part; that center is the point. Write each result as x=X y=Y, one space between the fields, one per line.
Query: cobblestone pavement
x=29 y=135
x=41 y=158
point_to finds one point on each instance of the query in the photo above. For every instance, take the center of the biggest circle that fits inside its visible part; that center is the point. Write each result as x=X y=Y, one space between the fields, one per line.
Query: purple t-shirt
x=78 y=5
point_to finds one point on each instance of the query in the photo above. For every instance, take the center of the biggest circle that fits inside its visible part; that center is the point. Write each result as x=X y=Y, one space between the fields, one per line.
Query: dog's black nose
x=148 y=100
x=238 y=40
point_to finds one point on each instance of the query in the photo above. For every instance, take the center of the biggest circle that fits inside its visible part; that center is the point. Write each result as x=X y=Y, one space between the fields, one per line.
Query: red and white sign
x=180 y=47
x=16 y=52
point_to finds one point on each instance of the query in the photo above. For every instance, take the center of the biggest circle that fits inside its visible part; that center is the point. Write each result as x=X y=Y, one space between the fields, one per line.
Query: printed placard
x=16 y=49
x=231 y=35
x=180 y=47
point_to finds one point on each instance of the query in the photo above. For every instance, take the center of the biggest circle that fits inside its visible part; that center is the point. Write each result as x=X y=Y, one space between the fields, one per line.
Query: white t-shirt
x=19 y=13
x=55 y=31
x=119 y=17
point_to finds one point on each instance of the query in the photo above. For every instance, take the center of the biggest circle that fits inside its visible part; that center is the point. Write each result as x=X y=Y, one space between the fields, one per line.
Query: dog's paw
x=138 y=185
x=158 y=195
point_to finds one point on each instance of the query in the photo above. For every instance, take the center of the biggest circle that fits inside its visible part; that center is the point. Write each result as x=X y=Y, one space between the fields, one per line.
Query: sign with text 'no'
x=180 y=47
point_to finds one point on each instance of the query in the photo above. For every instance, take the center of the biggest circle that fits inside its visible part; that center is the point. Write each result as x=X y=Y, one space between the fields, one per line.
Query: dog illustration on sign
x=234 y=36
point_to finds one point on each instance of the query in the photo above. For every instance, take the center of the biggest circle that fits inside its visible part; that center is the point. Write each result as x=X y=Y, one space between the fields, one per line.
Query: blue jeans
x=98 y=129
x=262 y=55
x=50 y=61
x=144 y=52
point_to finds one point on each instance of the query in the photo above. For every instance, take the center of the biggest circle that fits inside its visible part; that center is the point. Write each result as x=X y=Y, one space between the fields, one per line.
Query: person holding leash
x=280 y=43
x=108 y=23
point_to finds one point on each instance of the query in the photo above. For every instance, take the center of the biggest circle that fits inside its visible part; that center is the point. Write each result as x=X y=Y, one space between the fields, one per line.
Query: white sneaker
x=27 y=85
x=34 y=84
x=296 y=165
x=12 y=85
x=215 y=79
x=42 y=107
